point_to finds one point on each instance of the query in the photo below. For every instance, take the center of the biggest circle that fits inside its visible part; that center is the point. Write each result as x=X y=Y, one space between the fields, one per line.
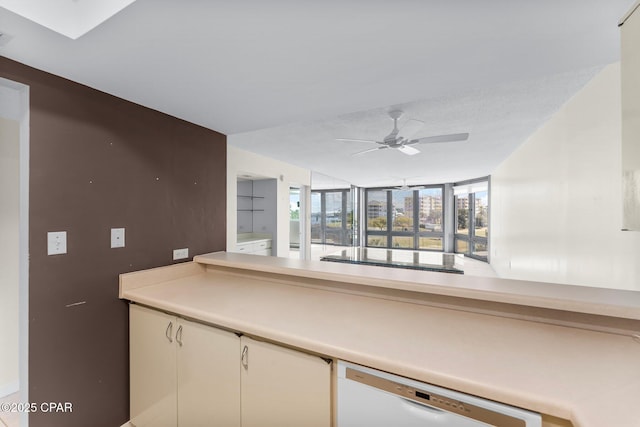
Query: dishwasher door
x=370 y=398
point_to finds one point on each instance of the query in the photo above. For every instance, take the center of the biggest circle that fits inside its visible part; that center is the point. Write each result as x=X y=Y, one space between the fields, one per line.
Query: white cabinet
x=283 y=387
x=152 y=359
x=630 y=60
x=208 y=387
x=255 y=247
x=181 y=372
x=188 y=374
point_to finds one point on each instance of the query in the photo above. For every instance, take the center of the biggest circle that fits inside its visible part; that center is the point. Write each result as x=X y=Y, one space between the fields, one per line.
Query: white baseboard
x=9 y=388
x=127 y=424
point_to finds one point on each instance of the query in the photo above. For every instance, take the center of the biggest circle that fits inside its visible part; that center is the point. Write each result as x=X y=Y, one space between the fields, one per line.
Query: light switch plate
x=56 y=242
x=180 y=254
x=117 y=238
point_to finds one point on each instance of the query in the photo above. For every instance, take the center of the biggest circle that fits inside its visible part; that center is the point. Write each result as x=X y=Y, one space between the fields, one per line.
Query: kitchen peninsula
x=570 y=353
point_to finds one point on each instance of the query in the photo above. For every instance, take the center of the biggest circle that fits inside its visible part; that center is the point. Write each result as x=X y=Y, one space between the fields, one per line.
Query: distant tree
x=481 y=217
x=403 y=222
x=462 y=218
x=380 y=223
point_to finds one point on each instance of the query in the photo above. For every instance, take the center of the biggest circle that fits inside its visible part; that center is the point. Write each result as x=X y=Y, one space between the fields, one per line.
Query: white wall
x=241 y=162
x=556 y=210
x=9 y=253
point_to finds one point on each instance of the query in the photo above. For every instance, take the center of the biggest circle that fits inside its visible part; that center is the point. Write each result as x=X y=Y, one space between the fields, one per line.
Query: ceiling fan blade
x=409 y=151
x=407 y=188
x=454 y=137
x=356 y=140
x=410 y=128
x=369 y=150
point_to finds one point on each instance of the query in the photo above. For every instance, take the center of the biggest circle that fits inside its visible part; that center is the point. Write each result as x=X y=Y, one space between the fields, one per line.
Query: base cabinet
x=181 y=372
x=208 y=389
x=257 y=247
x=188 y=374
x=152 y=368
x=283 y=387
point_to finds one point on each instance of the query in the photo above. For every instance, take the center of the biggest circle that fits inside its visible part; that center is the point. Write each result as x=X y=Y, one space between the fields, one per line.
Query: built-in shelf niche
x=251 y=209
x=256 y=206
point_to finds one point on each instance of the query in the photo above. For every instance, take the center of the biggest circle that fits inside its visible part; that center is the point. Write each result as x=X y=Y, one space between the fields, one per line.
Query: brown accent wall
x=99 y=162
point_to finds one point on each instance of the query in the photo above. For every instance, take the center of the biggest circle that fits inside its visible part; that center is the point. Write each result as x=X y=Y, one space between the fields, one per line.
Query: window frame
x=345 y=232
x=416 y=234
x=471 y=239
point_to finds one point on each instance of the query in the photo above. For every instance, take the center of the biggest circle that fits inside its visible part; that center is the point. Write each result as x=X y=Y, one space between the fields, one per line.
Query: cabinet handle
x=179 y=335
x=245 y=357
x=167 y=333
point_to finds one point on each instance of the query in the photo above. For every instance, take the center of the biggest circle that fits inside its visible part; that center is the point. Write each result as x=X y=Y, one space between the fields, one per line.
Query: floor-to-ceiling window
x=430 y=219
x=471 y=200
x=331 y=217
x=405 y=218
x=377 y=202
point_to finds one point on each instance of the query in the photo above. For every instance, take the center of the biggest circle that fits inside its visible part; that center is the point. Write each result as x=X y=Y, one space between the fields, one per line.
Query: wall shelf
x=252 y=198
x=256 y=207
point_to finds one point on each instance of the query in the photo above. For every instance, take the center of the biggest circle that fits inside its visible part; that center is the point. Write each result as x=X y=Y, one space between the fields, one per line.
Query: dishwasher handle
x=421 y=409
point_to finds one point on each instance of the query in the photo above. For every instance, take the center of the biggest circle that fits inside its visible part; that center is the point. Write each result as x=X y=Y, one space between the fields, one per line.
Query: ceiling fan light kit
x=400 y=139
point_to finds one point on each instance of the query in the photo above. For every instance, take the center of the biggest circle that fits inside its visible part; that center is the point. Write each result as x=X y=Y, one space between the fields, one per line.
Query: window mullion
x=323 y=218
x=389 y=218
x=416 y=218
x=343 y=237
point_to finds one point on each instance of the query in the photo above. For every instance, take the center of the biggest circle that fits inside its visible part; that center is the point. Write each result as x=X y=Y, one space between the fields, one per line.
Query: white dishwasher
x=370 y=398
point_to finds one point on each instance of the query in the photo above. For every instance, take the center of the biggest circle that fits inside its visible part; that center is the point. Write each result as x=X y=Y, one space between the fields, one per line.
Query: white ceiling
x=72 y=18
x=305 y=72
x=498 y=120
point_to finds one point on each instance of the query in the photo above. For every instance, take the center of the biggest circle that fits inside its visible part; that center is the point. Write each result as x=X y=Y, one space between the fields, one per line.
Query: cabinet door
x=283 y=388
x=152 y=355
x=208 y=376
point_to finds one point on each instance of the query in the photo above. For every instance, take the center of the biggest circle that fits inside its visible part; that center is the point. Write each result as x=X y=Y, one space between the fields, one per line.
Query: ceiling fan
x=405 y=187
x=400 y=139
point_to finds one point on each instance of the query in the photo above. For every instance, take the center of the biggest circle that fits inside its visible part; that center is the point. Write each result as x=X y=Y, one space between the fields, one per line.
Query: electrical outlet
x=117 y=238
x=180 y=254
x=56 y=242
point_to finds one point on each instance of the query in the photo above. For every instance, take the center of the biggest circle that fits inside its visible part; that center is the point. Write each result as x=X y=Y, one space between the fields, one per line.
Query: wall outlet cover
x=180 y=254
x=117 y=237
x=56 y=242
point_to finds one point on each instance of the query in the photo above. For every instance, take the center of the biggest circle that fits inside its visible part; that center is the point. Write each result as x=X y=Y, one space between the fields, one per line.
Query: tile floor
x=10 y=419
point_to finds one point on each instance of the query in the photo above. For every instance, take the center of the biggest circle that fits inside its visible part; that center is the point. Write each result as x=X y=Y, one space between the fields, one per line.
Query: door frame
x=15 y=106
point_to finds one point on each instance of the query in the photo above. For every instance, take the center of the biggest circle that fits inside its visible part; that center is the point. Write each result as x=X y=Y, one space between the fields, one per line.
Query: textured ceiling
x=240 y=67
x=498 y=120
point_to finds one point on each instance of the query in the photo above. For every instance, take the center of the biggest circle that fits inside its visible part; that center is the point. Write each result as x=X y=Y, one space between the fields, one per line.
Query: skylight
x=71 y=18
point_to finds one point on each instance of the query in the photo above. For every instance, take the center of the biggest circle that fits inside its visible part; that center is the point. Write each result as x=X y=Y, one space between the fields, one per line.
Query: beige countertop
x=590 y=378
x=580 y=299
